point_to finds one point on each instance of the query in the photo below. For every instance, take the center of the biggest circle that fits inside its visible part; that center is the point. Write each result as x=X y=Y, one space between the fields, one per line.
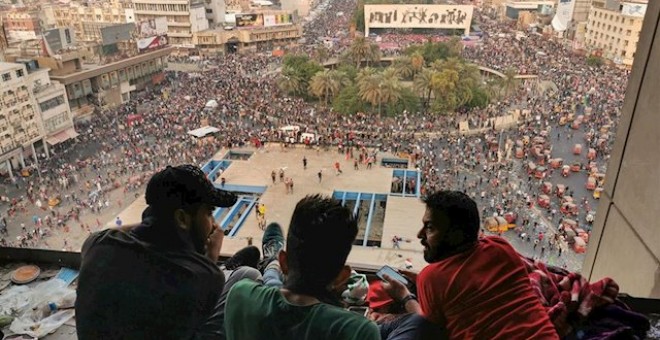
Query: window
x=6 y=77
x=628 y=32
x=19 y=73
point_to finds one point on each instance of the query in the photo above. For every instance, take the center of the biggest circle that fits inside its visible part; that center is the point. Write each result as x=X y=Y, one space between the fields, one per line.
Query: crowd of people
x=139 y=137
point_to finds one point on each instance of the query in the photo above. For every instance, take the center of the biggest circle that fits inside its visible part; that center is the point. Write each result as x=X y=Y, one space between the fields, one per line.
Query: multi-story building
x=20 y=123
x=53 y=104
x=613 y=29
x=100 y=85
x=216 y=41
x=215 y=12
x=87 y=21
x=22 y=24
x=184 y=18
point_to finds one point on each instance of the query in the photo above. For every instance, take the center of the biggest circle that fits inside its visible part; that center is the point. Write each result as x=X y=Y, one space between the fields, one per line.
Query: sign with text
x=271 y=20
x=418 y=16
x=151 y=43
x=249 y=20
x=152 y=27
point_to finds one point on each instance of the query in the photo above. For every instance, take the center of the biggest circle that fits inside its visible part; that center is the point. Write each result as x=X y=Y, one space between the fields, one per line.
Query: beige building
x=87 y=21
x=184 y=18
x=217 y=41
x=91 y=85
x=625 y=241
x=613 y=32
x=20 y=123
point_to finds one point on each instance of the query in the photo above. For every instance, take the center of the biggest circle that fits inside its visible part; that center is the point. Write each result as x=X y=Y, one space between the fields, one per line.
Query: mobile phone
x=359 y=310
x=391 y=272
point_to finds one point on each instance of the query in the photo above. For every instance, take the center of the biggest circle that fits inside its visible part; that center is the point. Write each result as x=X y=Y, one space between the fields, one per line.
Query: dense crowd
x=150 y=131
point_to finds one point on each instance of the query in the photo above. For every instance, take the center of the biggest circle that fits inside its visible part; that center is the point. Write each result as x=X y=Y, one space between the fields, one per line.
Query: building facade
x=217 y=41
x=613 y=31
x=87 y=21
x=20 y=123
x=184 y=18
x=21 y=24
x=110 y=84
x=53 y=104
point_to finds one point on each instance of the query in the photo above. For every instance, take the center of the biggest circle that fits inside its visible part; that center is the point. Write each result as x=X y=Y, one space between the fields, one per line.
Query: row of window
x=614 y=17
x=162 y=7
x=7 y=76
x=57 y=122
x=610 y=28
x=607 y=37
x=51 y=103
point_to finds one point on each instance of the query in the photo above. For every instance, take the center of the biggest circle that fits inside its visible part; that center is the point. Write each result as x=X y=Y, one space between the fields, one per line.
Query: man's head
x=450 y=223
x=319 y=240
x=185 y=195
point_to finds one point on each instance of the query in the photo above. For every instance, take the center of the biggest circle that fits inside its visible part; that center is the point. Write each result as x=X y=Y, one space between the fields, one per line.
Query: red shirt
x=483 y=293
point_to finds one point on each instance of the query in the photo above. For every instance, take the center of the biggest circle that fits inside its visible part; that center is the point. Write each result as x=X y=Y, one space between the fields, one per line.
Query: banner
x=563 y=16
x=418 y=16
x=633 y=9
x=249 y=20
x=151 y=43
x=271 y=20
x=152 y=27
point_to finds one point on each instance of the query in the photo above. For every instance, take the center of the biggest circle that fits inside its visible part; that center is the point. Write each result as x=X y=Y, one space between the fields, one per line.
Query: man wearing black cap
x=159 y=279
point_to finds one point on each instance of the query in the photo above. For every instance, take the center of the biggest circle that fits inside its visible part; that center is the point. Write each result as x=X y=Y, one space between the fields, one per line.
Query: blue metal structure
x=394 y=162
x=405 y=174
x=212 y=167
x=244 y=189
x=236 y=153
x=347 y=196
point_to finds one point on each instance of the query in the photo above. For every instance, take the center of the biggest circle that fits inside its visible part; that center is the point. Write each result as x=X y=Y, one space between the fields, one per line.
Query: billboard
x=151 y=43
x=117 y=33
x=418 y=16
x=563 y=15
x=271 y=20
x=249 y=20
x=633 y=10
x=152 y=27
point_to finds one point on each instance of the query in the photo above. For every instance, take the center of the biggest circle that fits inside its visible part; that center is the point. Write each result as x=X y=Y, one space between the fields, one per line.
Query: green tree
x=422 y=84
x=321 y=54
x=403 y=66
x=324 y=85
x=348 y=101
x=360 y=50
x=291 y=83
x=408 y=101
x=480 y=98
x=594 y=60
x=349 y=70
x=369 y=88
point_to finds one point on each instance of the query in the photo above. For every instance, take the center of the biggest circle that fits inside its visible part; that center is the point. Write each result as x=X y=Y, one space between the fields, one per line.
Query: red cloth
x=567 y=296
x=484 y=293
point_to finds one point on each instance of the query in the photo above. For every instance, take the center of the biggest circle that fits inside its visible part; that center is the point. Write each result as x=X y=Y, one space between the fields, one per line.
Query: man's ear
x=342 y=277
x=282 y=257
x=182 y=219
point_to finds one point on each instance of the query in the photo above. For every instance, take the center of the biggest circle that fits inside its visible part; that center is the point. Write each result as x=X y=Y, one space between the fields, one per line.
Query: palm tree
x=391 y=73
x=290 y=83
x=422 y=84
x=403 y=66
x=417 y=62
x=390 y=91
x=321 y=54
x=370 y=89
x=509 y=83
x=364 y=75
x=359 y=50
x=373 y=55
x=325 y=84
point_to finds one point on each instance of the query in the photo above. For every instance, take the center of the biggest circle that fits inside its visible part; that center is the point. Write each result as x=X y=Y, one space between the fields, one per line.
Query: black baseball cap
x=179 y=186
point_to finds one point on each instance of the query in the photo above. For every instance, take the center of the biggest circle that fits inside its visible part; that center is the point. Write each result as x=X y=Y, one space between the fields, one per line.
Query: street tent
x=203 y=131
x=212 y=104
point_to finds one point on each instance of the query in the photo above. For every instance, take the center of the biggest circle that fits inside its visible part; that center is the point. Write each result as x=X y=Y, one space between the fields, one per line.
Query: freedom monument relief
x=418 y=16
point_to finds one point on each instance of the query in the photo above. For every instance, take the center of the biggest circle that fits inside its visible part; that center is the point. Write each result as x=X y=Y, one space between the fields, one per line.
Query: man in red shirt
x=476 y=288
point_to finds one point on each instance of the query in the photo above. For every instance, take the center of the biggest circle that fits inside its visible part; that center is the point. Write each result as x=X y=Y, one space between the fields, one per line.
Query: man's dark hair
x=319 y=240
x=459 y=208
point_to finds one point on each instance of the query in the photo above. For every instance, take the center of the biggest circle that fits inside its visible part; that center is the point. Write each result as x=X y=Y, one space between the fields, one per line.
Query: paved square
x=402 y=215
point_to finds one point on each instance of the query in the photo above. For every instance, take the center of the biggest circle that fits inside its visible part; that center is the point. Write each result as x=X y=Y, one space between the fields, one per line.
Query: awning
x=203 y=131
x=62 y=136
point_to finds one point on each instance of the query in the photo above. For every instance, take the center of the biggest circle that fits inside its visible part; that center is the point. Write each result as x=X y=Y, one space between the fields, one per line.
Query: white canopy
x=203 y=131
x=212 y=103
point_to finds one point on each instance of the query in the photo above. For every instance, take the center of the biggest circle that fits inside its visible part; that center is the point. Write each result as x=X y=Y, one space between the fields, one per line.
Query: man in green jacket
x=307 y=306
